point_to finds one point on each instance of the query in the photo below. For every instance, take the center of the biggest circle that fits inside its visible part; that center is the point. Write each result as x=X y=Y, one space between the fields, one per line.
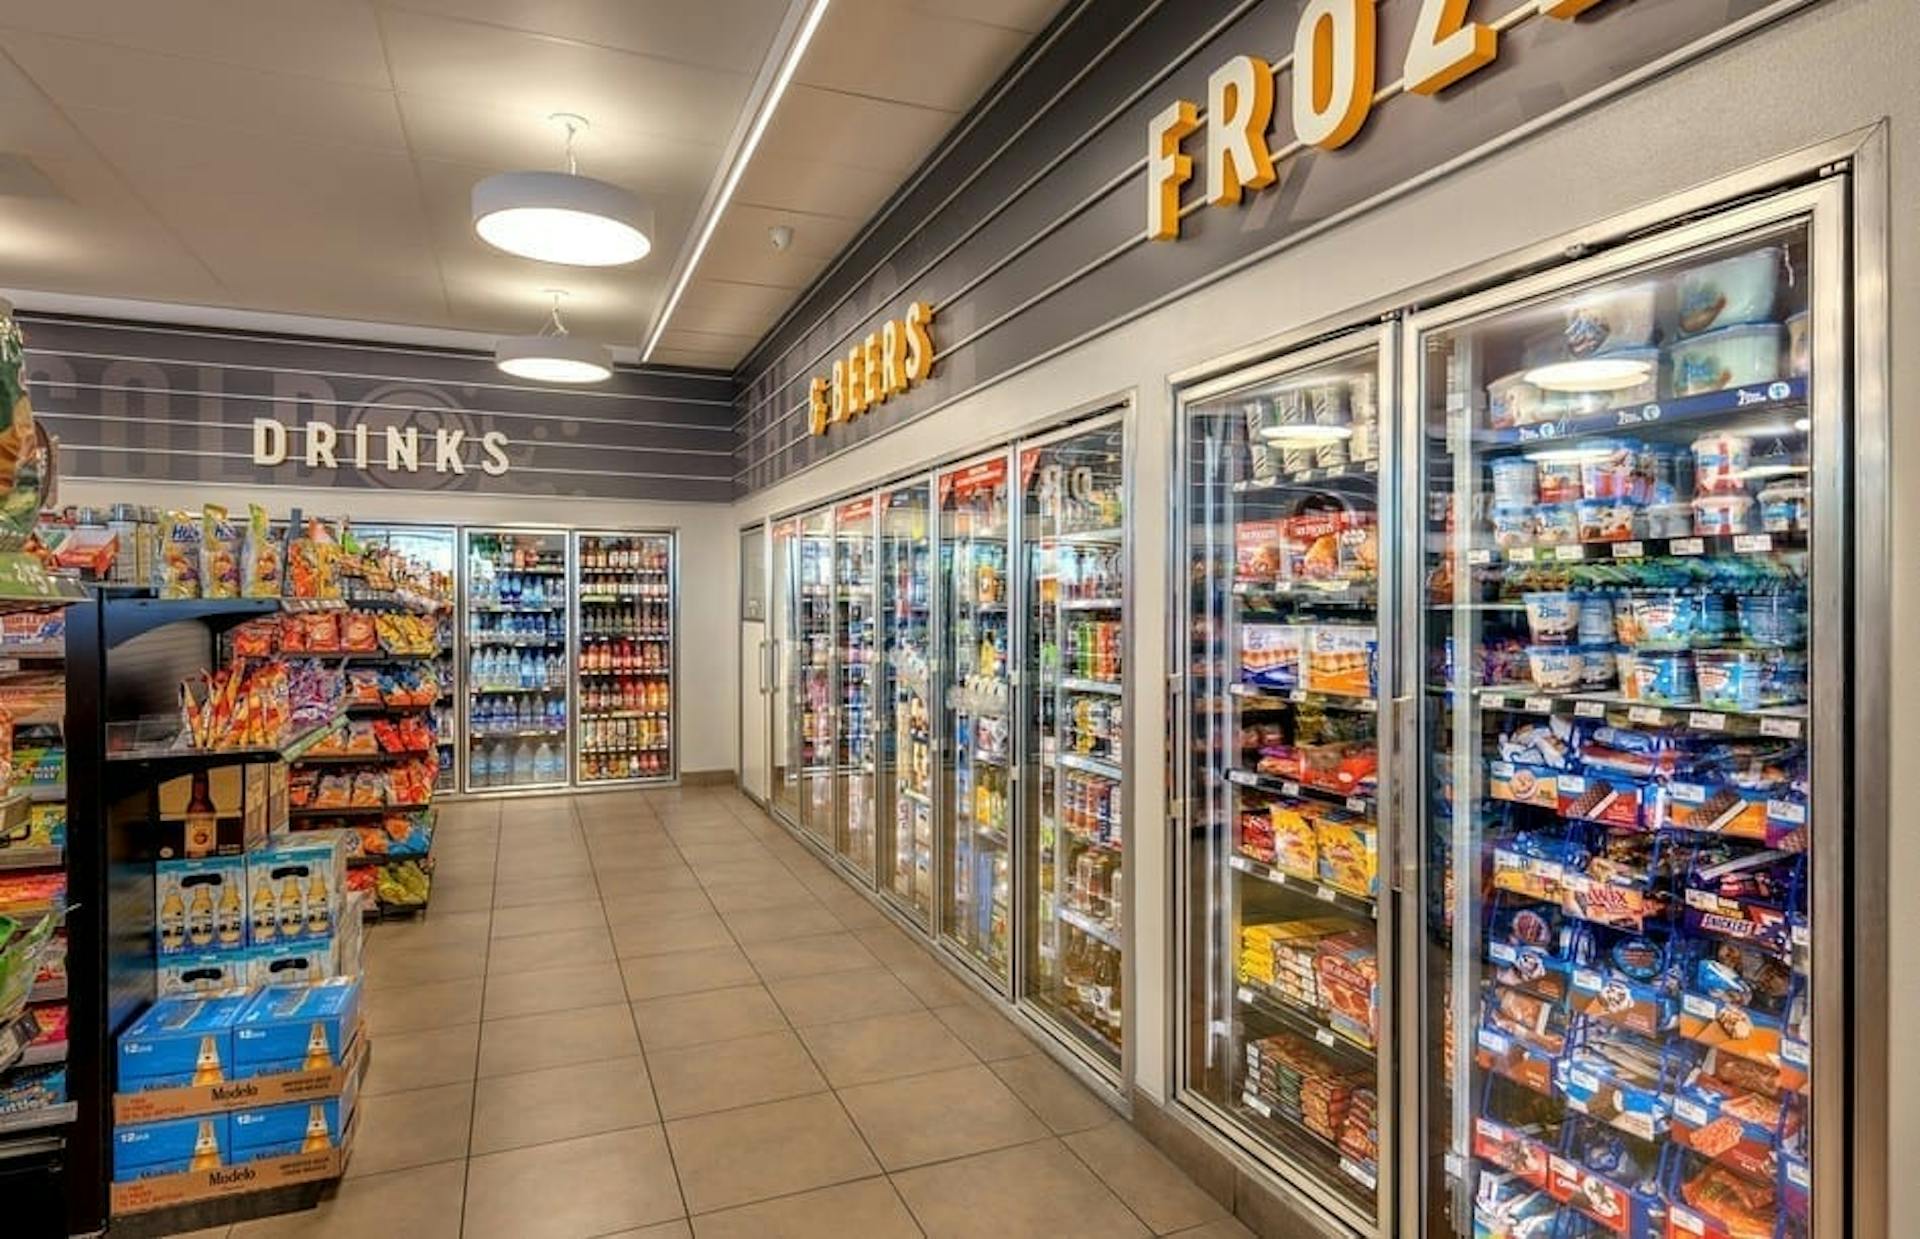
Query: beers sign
x=1332 y=91
x=889 y=362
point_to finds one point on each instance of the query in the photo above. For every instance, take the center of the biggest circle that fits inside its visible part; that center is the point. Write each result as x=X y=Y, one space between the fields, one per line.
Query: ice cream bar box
x=295 y=887
x=182 y=1040
x=203 y=973
x=296 y=1027
x=297 y=1127
x=200 y=905
x=222 y=811
x=170 y=1146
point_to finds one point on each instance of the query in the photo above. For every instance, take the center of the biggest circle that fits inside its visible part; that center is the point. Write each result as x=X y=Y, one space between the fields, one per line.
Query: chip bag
x=262 y=556
x=178 y=565
x=219 y=554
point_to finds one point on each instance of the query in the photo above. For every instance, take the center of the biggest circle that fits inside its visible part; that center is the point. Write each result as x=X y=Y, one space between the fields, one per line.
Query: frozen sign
x=398 y=449
x=1330 y=89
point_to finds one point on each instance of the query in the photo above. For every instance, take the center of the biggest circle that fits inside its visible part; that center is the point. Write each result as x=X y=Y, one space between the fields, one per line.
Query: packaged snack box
x=171 y=1146
x=1270 y=655
x=1348 y=853
x=1313 y=545
x=294 y=887
x=1349 y=979
x=227 y=808
x=1343 y=660
x=1256 y=550
x=200 y=905
x=1296 y=843
x=296 y=1127
x=180 y=1041
x=296 y=1027
x=203 y=973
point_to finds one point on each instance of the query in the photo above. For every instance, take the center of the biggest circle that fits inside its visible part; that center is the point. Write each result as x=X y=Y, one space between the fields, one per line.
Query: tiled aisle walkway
x=627 y=1009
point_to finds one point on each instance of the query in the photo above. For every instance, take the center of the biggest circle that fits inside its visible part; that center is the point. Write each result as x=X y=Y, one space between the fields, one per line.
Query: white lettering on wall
x=446 y=451
x=494 y=444
x=269 y=442
x=403 y=449
x=320 y=440
x=323 y=445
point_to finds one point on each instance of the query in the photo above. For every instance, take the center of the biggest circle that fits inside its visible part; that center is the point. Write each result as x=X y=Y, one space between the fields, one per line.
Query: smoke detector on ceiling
x=781 y=236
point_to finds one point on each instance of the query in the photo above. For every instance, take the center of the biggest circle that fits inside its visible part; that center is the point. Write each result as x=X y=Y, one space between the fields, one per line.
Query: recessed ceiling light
x=553 y=356
x=562 y=217
x=1590 y=374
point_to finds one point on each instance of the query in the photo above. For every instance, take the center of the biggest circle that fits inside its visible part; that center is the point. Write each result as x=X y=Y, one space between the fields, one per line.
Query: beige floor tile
x=617 y=882
x=741 y=873
x=422 y=1059
x=1153 y=1187
x=867 y=1209
x=1223 y=1228
x=933 y=982
x=783 y=892
x=986 y=1032
x=678 y=933
x=410 y=966
x=475 y=868
x=636 y=858
x=678 y=1229
x=569 y=948
x=928 y=1118
x=396 y=1131
x=686 y=972
x=512 y=891
x=1035 y=1189
x=890 y=946
x=1062 y=1102
x=560 y=1103
x=736 y=1157
x=810 y=956
x=830 y=997
x=530 y=1042
x=702 y=854
x=551 y=862
x=423 y=1203
x=461 y=897
x=548 y=918
x=654 y=906
x=773 y=924
x=721 y=1075
x=572 y=1188
x=436 y=929
x=557 y=989
x=884 y=1047
x=712 y=1015
x=437 y=1004
x=856 y=911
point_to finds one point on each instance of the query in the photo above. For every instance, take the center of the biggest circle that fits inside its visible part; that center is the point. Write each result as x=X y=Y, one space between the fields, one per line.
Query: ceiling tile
x=866 y=133
x=77 y=74
x=536 y=75
x=510 y=298
x=724 y=297
x=489 y=139
x=332 y=39
x=724 y=34
x=880 y=48
x=1029 y=16
x=815 y=186
x=699 y=359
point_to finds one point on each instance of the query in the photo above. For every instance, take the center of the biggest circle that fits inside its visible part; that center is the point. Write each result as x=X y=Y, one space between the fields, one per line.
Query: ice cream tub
x=1516 y=482
x=1669 y=520
x=1799 y=345
x=1720 y=463
x=1776 y=618
x=1597 y=667
x=1558 y=480
x=1512 y=401
x=1611 y=470
x=1662 y=677
x=1555 y=524
x=1785 y=679
x=1596 y=619
x=1720 y=515
x=1556 y=668
x=1512 y=525
x=1736 y=290
x=1605 y=520
x=1730 y=679
x=1669 y=472
x=1623 y=666
x=1553 y=616
x=1665 y=619
x=1783 y=507
x=1729 y=357
x=1612 y=318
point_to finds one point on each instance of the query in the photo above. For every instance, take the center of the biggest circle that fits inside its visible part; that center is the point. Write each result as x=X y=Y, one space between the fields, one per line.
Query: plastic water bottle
x=523 y=762
x=482 y=772
x=545 y=764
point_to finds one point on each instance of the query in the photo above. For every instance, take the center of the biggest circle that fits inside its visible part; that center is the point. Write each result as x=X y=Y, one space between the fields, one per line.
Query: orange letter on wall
x=1168 y=168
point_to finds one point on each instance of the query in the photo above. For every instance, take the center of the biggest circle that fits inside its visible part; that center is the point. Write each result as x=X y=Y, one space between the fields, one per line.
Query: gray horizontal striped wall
x=132 y=401
x=1026 y=228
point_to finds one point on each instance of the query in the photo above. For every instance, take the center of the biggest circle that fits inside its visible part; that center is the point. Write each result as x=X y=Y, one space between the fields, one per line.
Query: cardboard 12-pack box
x=296 y=888
x=200 y=905
x=296 y=1027
x=180 y=1041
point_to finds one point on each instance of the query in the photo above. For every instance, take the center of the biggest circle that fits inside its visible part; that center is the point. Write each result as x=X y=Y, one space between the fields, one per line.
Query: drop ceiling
x=314 y=157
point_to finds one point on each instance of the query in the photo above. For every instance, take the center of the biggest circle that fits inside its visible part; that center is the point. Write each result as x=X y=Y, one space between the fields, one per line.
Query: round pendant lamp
x=554 y=356
x=562 y=217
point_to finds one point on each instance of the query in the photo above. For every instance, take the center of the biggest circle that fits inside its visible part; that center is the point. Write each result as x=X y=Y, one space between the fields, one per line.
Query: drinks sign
x=399 y=449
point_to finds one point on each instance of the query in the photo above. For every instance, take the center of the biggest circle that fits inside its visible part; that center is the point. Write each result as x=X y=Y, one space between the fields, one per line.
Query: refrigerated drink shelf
x=1301 y=696
x=1717 y=546
x=1091 y=604
x=488 y=733
x=1098 y=930
x=496 y=608
x=918 y=797
x=1295 y=789
x=1778 y=722
x=590 y=712
x=1082 y=535
x=488 y=689
x=1319 y=890
x=477 y=638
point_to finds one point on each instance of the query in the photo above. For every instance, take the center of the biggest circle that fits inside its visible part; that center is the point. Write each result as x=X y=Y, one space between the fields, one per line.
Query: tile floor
x=656 y=1015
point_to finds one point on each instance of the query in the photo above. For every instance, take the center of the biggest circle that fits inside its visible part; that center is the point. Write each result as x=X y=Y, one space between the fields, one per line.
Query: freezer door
x=518 y=707
x=783 y=670
x=906 y=700
x=813 y=675
x=1632 y=905
x=856 y=655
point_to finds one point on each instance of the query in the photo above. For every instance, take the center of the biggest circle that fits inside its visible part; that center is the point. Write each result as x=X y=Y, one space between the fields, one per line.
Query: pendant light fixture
x=562 y=217
x=553 y=356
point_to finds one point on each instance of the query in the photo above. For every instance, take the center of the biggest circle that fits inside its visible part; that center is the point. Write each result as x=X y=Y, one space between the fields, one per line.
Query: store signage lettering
x=1331 y=72
x=891 y=361
x=402 y=449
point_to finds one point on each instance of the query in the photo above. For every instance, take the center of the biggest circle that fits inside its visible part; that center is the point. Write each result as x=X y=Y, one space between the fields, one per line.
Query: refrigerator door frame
x=467 y=533
x=1022 y=829
x=781 y=661
x=761 y=667
x=842 y=803
x=1823 y=204
x=1236 y=372
x=575 y=642
x=887 y=773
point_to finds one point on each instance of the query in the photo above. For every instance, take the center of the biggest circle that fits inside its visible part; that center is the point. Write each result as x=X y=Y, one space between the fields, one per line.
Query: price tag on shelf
x=1687 y=546
x=1241 y=777
x=1752 y=543
x=1706 y=720
x=1520 y=555
x=1628 y=550
x=9 y=665
x=1573 y=552
x=1246 y=995
x=1323 y=1037
x=1326 y=894
x=1259 y=1107
x=1538 y=705
x=1649 y=715
x=1357 y=804
x=1590 y=709
x=1781 y=728
x=1297 y=695
x=1480 y=555
x=1289 y=788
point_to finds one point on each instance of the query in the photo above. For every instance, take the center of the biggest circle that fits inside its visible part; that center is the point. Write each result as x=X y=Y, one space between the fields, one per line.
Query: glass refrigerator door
x=855 y=602
x=813 y=674
x=976 y=811
x=784 y=626
x=439 y=548
x=516 y=643
x=906 y=767
x=1625 y=830
x=1073 y=556
x=1287 y=1035
x=625 y=662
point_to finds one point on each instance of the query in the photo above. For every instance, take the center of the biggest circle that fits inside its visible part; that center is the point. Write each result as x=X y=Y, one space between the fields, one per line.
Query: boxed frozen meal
x=1349 y=979
x=1523 y=784
x=295 y=887
x=1296 y=841
x=183 y=1040
x=1348 y=853
x=296 y=1027
x=1271 y=654
x=1257 y=551
x=1343 y=660
x=1313 y=544
x=171 y=1146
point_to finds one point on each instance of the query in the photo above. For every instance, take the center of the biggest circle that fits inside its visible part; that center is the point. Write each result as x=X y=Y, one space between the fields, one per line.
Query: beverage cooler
x=811 y=672
x=855 y=606
x=518 y=708
x=624 y=673
x=906 y=690
x=1566 y=683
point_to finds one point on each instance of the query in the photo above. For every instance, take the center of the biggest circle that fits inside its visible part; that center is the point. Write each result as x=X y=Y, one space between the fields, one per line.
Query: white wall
x=708 y=550
x=1838 y=68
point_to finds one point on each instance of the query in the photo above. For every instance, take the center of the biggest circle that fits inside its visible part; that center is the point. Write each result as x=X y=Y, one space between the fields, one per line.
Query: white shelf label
x=1698 y=1007
x=1687 y=546
x=1326 y=893
x=1246 y=995
x=1628 y=550
x=1357 y=804
x=1590 y=709
x=1573 y=552
x=1645 y=714
x=1520 y=555
x=1707 y=720
x=1752 y=543
x=1323 y=1037
x=1691 y=1111
x=1259 y=1107
x=1587 y=979
x=1297 y=695
x=1480 y=555
x=1783 y=728
x=1289 y=788
x=1538 y=705
x=1790 y=811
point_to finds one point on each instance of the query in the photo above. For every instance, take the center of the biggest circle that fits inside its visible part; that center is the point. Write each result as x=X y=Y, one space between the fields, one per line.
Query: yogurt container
x=1597 y=667
x=1729 y=357
x=1612 y=471
x=1596 y=619
x=1553 y=617
x=1783 y=507
x=1669 y=520
x=1799 y=345
x=1665 y=619
x=1776 y=618
x=1512 y=401
x=1515 y=481
x=1720 y=515
x=1512 y=525
x=1555 y=524
x=1609 y=319
x=1556 y=668
x=1663 y=678
x=1741 y=288
x=1785 y=681
x=1606 y=520
x=1730 y=679
x=1720 y=463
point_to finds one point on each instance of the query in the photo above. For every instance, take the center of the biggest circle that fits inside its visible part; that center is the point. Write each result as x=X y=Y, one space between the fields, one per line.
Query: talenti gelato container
x=1516 y=481
x=1729 y=357
x=1555 y=668
x=1720 y=463
x=1783 y=507
x=1721 y=515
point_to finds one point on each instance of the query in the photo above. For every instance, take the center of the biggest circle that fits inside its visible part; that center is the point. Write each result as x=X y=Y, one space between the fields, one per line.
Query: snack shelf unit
x=437 y=546
x=517 y=651
x=626 y=681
